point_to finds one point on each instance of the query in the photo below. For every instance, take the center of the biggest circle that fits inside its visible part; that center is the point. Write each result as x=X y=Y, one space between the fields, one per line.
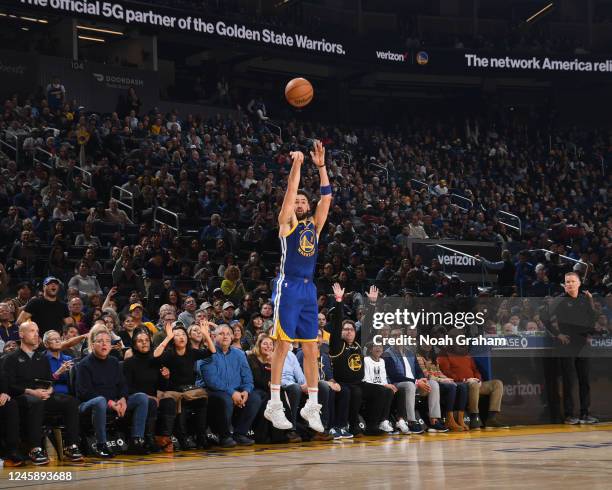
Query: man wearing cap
x=227 y=314
x=208 y=308
x=48 y=312
x=137 y=311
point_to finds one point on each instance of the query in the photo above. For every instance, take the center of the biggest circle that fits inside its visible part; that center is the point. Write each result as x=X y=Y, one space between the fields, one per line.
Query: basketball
x=299 y=92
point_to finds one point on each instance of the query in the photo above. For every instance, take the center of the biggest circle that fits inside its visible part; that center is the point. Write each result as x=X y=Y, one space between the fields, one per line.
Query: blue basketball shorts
x=295 y=310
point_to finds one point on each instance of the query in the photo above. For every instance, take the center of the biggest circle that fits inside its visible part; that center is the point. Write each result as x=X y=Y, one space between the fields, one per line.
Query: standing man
x=48 y=312
x=575 y=315
x=295 y=294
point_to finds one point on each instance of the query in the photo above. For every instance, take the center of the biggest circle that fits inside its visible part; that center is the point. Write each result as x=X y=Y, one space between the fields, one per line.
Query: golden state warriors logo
x=354 y=362
x=307 y=242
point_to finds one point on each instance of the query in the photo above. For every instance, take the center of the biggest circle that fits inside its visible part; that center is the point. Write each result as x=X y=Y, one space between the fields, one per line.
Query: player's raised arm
x=286 y=217
x=318 y=157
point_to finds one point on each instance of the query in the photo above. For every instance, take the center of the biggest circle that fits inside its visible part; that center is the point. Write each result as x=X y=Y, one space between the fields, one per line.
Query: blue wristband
x=326 y=190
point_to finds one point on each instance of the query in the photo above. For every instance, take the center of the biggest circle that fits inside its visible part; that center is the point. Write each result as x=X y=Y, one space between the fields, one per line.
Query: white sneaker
x=275 y=413
x=385 y=426
x=402 y=425
x=311 y=413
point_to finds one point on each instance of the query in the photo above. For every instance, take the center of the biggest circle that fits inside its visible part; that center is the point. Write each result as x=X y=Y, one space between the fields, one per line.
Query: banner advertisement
x=98 y=87
x=334 y=44
x=17 y=72
x=456 y=257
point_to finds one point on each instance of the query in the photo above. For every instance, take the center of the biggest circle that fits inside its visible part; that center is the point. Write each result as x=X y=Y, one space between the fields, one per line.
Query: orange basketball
x=299 y=92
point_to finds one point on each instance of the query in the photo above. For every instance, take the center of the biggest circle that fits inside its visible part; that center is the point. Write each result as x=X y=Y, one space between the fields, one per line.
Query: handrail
x=50 y=163
x=383 y=168
x=342 y=152
x=119 y=201
x=471 y=205
x=157 y=221
x=280 y=131
x=518 y=228
x=564 y=257
x=85 y=173
x=422 y=184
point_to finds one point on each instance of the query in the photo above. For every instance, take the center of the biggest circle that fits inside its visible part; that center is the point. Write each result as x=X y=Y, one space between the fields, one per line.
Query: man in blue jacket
x=405 y=373
x=227 y=377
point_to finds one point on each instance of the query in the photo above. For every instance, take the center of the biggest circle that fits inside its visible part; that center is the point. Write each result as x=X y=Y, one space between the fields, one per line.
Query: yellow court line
x=190 y=456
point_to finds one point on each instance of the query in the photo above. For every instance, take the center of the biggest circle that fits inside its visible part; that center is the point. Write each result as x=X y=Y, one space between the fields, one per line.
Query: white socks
x=313 y=396
x=275 y=393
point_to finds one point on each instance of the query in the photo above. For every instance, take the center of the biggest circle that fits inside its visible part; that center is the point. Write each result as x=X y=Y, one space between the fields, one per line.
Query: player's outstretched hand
x=373 y=294
x=318 y=155
x=297 y=157
x=338 y=291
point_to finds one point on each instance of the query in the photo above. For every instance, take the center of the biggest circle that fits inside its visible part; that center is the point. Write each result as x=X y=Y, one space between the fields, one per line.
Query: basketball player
x=295 y=294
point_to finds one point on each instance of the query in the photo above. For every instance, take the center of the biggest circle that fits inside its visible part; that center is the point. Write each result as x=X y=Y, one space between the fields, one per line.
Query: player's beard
x=303 y=215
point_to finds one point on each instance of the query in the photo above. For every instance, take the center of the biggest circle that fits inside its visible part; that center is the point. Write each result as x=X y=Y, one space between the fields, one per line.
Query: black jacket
x=142 y=374
x=21 y=371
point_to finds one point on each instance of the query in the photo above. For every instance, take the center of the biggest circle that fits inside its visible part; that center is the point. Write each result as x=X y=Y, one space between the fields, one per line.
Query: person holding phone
x=60 y=362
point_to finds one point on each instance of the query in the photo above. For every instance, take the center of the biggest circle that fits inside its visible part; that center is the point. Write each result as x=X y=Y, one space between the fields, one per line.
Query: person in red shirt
x=457 y=364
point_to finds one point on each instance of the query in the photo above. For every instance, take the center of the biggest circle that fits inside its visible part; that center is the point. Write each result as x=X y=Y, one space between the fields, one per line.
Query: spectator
x=453 y=395
x=9 y=413
x=85 y=283
x=348 y=369
x=87 y=238
x=8 y=329
x=27 y=371
x=180 y=359
x=145 y=374
x=60 y=363
x=187 y=317
x=232 y=286
x=229 y=381
x=460 y=366
x=374 y=373
x=101 y=386
x=47 y=312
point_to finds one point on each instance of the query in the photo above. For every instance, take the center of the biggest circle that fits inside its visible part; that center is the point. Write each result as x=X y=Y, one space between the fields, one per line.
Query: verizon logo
x=456 y=260
x=391 y=56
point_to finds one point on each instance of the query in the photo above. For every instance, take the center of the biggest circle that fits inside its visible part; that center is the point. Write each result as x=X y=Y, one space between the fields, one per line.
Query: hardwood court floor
x=534 y=457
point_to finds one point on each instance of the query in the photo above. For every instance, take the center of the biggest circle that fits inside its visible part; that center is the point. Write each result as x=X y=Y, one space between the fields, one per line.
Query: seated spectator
x=253 y=329
x=196 y=337
x=227 y=314
x=229 y=382
x=115 y=215
x=8 y=329
x=137 y=311
x=79 y=318
x=101 y=388
x=29 y=380
x=460 y=366
x=453 y=396
x=187 y=317
x=334 y=400
x=9 y=414
x=374 y=373
x=87 y=238
x=144 y=374
x=405 y=373
x=238 y=340
x=232 y=286
x=260 y=362
x=60 y=363
x=180 y=358
x=83 y=281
